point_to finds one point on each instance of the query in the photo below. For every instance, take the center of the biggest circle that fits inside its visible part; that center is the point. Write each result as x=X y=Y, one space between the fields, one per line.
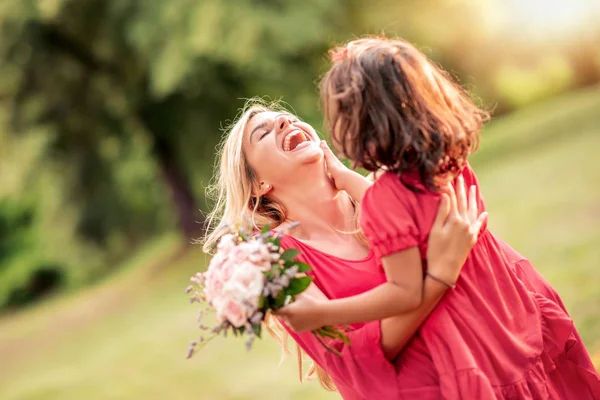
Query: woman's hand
x=305 y=313
x=454 y=232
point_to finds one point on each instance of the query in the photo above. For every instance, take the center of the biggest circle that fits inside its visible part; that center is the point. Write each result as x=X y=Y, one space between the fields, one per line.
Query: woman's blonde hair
x=232 y=190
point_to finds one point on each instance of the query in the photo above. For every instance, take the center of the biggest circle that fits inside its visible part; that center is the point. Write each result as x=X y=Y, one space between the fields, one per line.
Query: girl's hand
x=305 y=313
x=336 y=170
x=344 y=178
x=454 y=232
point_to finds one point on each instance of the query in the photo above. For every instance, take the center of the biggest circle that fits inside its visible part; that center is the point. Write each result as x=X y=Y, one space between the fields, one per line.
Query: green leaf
x=267 y=304
x=280 y=300
x=326 y=333
x=302 y=267
x=265 y=229
x=257 y=329
x=298 y=285
x=261 y=302
x=289 y=254
x=276 y=241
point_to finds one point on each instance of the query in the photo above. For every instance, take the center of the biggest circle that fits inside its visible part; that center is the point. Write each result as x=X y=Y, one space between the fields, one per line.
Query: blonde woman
x=272 y=171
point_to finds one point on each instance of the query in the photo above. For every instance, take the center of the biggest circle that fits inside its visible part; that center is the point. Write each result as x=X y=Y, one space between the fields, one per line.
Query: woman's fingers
x=280 y=313
x=313 y=291
x=442 y=213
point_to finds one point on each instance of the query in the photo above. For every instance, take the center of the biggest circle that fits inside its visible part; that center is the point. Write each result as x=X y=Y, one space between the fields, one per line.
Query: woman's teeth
x=292 y=140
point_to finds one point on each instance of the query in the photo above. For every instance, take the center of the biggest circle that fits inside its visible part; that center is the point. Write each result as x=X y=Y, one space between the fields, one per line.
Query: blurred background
x=110 y=114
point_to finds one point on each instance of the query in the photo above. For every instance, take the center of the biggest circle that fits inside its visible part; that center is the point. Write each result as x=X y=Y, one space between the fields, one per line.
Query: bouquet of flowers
x=249 y=276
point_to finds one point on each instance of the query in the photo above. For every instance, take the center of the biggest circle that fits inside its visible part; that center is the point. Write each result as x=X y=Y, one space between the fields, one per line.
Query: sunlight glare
x=546 y=17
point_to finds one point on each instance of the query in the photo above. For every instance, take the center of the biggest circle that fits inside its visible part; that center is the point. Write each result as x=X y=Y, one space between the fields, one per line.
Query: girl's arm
x=452 y=236
x=403 y=292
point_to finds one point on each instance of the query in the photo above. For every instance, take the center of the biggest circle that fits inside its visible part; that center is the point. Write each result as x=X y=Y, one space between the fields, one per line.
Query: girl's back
x=387 y=105
x=490 y=336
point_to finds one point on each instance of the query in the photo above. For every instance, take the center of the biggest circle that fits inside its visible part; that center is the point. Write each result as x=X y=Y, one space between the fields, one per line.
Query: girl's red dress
x=503 y=333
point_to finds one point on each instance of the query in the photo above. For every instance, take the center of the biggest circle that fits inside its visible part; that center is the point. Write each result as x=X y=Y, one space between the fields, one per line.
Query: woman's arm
x=355 y=366
x=396 y=331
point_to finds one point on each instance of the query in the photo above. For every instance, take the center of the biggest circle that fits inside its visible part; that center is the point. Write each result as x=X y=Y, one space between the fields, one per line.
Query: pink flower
x=213 y=284
x=255 y=252
x=264 y=266
x=219 y=305
x=235 y=313
x=227 y=269
x=234 y=280
x=251 y=280
x=239 y=253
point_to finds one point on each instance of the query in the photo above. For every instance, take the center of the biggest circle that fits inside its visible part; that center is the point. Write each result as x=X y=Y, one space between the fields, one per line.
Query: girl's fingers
x=452 y=200
x=329 y=156
x=332 y=163
x=480 y=221
x=473 y=209
x=461 y=197
x=443 y=212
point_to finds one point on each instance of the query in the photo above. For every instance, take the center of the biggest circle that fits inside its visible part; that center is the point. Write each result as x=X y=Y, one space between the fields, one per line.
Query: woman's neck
x=321 y=209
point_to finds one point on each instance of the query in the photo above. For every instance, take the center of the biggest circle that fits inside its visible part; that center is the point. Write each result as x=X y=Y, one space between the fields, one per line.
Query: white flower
x=226 y=244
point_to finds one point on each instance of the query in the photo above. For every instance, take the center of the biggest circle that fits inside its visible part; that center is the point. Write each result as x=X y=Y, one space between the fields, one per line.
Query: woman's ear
x=263 y=189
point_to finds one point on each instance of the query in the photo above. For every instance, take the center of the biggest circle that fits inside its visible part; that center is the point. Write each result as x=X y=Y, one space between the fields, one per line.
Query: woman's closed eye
x=263 y=135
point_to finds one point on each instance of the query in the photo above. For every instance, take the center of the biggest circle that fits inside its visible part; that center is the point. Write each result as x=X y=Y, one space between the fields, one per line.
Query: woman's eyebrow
x=257 y=127
x=263 y=125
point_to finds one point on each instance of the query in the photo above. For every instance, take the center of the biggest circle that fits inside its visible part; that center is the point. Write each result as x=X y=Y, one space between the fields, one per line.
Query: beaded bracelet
x=443 y=282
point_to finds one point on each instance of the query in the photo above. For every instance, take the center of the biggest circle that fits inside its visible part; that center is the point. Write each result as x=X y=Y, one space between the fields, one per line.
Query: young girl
x=388 y=107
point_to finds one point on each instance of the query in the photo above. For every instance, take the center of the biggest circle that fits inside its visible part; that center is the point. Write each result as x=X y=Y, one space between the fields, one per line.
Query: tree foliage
x=110 y=110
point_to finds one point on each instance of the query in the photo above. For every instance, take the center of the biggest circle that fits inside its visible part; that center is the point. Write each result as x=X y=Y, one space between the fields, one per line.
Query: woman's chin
x=310 y=154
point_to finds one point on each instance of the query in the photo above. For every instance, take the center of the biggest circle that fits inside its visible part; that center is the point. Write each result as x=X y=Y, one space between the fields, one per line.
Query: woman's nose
x=283 y=121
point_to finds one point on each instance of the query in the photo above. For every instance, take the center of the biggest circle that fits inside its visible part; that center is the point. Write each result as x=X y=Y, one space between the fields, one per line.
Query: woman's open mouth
x=293 y=139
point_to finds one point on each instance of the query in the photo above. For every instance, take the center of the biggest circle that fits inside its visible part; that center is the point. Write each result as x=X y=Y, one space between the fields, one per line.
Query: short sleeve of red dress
x=387 y=216
x=397 y=213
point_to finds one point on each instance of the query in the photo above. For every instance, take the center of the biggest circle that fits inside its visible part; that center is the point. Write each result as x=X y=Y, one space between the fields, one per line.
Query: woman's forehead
x=267 y=116
x=262 y=117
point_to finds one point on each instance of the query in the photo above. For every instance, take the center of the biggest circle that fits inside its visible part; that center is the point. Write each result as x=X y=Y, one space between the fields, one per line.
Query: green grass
x=540 y=177
x=126 y=337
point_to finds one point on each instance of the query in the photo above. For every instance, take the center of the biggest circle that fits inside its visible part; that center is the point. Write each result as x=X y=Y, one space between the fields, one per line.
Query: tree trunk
x=585 y=67
x=190 y=220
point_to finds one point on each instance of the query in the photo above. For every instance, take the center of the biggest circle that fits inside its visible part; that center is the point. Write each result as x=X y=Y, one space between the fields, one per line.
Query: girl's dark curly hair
x=387 y=105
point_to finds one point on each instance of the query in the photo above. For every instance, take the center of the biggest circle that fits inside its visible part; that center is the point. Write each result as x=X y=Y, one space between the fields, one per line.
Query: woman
x=272 y=171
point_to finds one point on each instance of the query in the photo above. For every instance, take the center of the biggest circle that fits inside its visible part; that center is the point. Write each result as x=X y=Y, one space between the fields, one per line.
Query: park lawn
x=126 y=338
